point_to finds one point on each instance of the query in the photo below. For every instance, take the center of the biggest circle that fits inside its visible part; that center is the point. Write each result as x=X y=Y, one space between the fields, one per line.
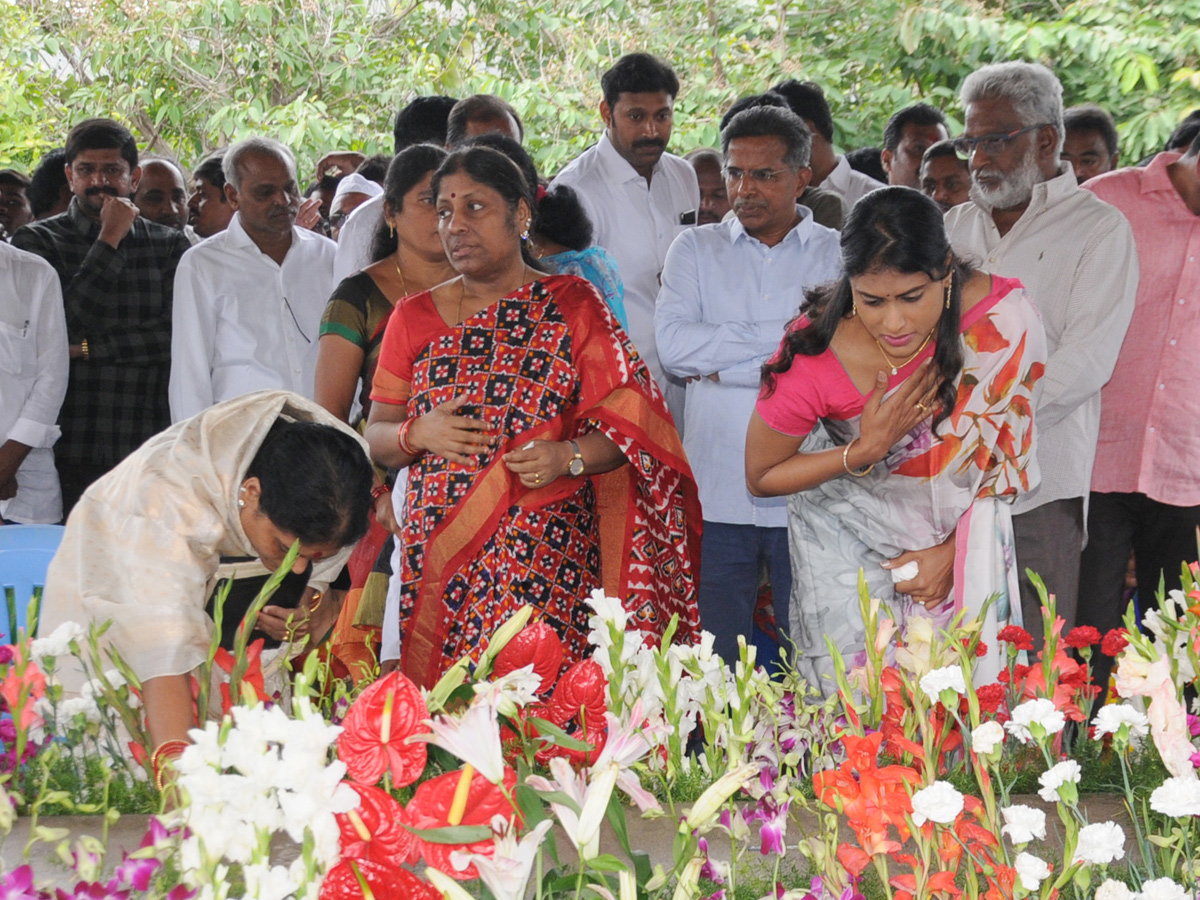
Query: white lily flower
x=627 y=743
x=474 y=738
x=506 y=871
x=583 y=827
x=446 y=886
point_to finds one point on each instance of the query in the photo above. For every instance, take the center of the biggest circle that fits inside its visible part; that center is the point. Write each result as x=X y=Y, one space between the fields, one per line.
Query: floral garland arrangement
x=907 y=767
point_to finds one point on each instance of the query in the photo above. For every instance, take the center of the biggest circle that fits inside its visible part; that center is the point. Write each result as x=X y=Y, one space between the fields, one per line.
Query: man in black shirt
x=117 y=272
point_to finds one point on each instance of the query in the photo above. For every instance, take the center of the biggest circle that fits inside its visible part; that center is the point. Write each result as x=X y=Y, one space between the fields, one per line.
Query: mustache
x=650 y=142
x=103 y=189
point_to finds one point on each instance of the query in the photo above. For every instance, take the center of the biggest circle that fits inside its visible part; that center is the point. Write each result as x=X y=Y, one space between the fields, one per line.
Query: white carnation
x=1040 y=712
x=59 y=641
x=1162 y=889
x=1066 y=772
x=1023 y=824
x=1177 y=797
x=1110 y=718
x=940 y=802
x=1100 y=844
x=945 y=678
x=987 y=737
x=1114 y=890
x=1031 y=870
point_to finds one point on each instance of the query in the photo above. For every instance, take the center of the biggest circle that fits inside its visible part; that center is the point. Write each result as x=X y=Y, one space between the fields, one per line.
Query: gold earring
x=949 y=289
x=853 y=309
x=391 y=229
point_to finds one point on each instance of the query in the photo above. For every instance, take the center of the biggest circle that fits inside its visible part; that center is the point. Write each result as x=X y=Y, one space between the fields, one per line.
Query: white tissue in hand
x=906 y=572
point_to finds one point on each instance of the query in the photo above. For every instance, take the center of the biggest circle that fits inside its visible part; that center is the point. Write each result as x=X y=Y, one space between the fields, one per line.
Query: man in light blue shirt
x=728 y=292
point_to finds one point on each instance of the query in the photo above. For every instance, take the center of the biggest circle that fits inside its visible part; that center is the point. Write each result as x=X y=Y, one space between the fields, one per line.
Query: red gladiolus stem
x=459 y=805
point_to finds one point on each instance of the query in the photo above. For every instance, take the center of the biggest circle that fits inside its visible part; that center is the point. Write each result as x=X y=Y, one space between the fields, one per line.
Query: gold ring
x=537 y=478
x=922 y=407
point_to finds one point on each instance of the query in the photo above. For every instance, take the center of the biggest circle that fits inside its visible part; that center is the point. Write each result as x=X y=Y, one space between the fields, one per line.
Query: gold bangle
x=317 y=600
x=83 y=349
x=164 y=751
x=846 y=462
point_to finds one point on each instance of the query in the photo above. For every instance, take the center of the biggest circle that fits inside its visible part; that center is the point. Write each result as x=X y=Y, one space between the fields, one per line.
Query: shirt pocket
x=18 y=352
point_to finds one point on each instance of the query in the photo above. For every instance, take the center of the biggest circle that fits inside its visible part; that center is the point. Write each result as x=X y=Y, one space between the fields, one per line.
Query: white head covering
x=354 y=184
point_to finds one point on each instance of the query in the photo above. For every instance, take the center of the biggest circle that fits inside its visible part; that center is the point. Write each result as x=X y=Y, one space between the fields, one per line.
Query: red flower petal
x=342 y=882
x=538 y=644
x=368 y=748
x=383 y=819
x=430 y=808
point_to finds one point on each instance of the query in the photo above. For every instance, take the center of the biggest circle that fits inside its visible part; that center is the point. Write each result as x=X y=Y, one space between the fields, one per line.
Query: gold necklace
x=400 y=272
x=463 y=293
x=887 y=359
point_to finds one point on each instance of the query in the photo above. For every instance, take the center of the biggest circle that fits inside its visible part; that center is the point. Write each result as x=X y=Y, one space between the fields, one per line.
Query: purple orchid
x=18 y=884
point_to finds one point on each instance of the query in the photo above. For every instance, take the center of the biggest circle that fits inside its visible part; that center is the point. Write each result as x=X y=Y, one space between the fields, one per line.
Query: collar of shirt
x=1052 y=191
x=616 y=168
x=1156 y=178
x=239 y=237
x=84 y=224
x=800 y=231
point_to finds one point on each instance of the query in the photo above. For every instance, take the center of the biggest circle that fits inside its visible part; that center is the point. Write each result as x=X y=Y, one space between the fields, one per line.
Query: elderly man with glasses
x=728 y=292
x=1075 y=254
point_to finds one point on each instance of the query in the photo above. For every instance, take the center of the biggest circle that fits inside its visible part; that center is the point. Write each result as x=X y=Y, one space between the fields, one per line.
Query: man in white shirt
x=728 y=292
x=638 y=196
x=33 y=383
x=1075 y=254
x=249 y=300
x=831 y=171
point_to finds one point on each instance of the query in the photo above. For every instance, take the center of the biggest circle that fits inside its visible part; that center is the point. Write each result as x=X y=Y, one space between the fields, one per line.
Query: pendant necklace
x=893 y=366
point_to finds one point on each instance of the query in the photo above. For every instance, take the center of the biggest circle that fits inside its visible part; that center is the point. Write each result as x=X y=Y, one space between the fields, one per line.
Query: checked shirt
x=120 y=301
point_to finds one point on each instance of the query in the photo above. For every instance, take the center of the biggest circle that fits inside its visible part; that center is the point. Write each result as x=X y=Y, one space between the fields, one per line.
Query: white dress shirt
x=852 y=184
x=242 y=323
x=1076 y=257
x=355 y=239
x=725 y=303
x=33 y=380
x=636 y=222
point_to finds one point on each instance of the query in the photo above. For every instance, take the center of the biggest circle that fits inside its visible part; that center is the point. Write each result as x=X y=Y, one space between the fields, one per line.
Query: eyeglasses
x=991 y=144
x=760 y=176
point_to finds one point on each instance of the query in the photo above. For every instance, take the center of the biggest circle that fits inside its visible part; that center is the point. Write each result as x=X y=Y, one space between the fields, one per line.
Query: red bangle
x=402 y=439
x=164 y=751
x=379 y=490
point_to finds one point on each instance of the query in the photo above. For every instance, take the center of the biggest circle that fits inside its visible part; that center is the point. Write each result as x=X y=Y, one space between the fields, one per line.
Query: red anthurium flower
x=538 y=644
x=579 y=696
x=430 y=808
x=376 y=729
x=375 y=830
x=383 y=881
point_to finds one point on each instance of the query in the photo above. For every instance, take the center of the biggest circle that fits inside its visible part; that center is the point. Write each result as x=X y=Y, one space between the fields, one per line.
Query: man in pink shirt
x=1145 y=490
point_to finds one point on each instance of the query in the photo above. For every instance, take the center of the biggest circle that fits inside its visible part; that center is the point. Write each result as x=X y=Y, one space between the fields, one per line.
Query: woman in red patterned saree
x=543 y=463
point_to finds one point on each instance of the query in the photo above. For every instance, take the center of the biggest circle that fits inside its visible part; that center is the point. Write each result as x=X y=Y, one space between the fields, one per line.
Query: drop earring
x=525 y=233
x=949 y=289
x=853 y=310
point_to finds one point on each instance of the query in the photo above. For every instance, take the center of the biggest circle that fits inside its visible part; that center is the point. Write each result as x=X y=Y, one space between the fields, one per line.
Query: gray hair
x=231 y=164
x=1032 y=89
x=772 y=121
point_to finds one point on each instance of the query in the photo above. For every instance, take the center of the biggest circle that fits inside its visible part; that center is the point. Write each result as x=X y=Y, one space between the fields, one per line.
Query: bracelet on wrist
x=83 y=349
x=857 y=473
x=380 y=489
x=402 y=439
x=164 y=753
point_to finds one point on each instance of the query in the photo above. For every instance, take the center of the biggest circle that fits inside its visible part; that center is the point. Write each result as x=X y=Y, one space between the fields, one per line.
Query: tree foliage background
x=192 y=75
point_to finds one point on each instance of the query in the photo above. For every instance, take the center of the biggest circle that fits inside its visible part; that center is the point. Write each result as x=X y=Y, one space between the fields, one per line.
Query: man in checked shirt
x=117 y=272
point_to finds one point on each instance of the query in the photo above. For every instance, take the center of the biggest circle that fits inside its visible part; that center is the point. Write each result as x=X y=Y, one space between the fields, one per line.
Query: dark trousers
x=1049 y=541
x=731 y=557
x=1162 y=539
x=75 y=479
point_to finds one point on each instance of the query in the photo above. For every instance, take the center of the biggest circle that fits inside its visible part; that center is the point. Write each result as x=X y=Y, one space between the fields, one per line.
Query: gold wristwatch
x=575 y=466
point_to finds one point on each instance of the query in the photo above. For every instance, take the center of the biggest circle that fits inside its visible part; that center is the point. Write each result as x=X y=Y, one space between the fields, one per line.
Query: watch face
x=576 y=467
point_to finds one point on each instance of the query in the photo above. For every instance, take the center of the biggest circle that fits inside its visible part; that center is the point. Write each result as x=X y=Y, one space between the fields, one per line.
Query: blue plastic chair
x=25 y=554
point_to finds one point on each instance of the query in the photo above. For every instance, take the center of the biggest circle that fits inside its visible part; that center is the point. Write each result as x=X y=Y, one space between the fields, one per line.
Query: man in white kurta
x=249 y=300
x=33 y=382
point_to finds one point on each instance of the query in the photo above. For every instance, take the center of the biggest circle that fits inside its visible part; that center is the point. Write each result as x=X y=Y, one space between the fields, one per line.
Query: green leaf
x=453 y=834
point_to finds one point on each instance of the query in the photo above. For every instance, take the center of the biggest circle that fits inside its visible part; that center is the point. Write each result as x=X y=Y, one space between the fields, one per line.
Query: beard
x=1009 y=190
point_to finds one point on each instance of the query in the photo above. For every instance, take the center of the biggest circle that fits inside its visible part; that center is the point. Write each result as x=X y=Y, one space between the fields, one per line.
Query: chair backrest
x=25 y=554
